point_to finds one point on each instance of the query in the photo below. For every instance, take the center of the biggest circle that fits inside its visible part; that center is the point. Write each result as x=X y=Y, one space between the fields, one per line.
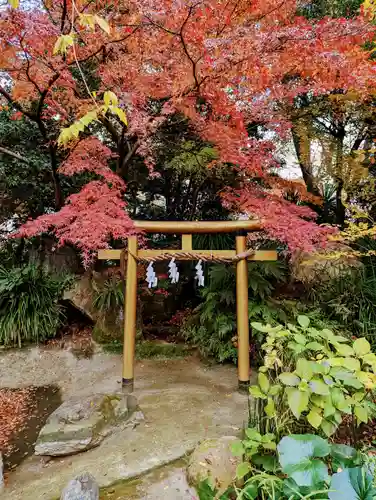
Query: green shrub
x=29 y=307
x=213 y=326
x=110 y=295
x=316 y=375
x=301 y=467
x=350 y=299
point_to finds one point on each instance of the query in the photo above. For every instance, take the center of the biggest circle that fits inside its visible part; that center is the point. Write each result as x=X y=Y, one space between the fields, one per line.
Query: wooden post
x=186 y=242
x=130 y=311
x=242 y=313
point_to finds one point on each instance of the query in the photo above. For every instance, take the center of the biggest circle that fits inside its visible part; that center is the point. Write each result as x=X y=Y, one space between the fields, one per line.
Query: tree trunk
x=55 y=179
x=340 y=207
x=305 y=164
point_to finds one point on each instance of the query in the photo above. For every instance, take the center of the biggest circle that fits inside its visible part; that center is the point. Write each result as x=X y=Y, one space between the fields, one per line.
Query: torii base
x=243 y=387
x=127 y=385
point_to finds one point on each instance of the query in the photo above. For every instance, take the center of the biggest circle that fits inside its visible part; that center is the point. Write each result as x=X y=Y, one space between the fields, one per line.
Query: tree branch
x=13 y=154
x=15 y=104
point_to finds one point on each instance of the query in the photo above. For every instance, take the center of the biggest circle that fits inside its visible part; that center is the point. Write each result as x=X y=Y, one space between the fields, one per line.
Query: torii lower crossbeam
x=186 y=229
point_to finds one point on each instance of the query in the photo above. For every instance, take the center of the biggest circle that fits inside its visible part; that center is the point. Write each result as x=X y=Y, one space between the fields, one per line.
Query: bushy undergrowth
x=29 y=304
x=351 y=299
x=212 y=326
x=110 y=296
x=312 y=380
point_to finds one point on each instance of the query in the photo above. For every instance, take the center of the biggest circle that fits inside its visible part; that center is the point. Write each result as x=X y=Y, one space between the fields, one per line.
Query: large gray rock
x=213 y=460
x=83 y=487
x=82 y=295
x=80 y=424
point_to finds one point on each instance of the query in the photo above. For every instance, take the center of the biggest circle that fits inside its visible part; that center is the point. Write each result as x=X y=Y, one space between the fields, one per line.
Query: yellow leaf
x=103 y=24
x=63 y=43
x=64 y=137
x=89 y=117
x=121 y=115
x=87 y=20
x=110 y=98
x=72 y=132
x=370 y=8
x=14 y=3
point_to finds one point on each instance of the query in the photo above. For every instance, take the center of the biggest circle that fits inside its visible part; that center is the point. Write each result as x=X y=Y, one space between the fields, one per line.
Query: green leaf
x=289 y=379
x=344 y=456
x=249 y=492
x=300 y=339
x=298 y=458
x=297 y=348
x=352 y=364
x=270 y=408
x=255 y=391
x=269 y=446
x=319 y=387
x=336 y=362
x=297 y=400
x=361 y=413
x=361 y=347
x=263 y=382
x=370 y=359
x=205 y=491
x=262 y=328
x=314 y=346
x=352 y=484
x=294 y=492
x=242 y=470
x=329 y=409
x=337 y=417
x=328 y=427
x=303 y=321
x=253 y=435
x=358 y=396
x=237 y=449
x=345 y=350
x=314 y=418
x=274 y=390
x=318 y=400
x=304 y=369
x=268 y=462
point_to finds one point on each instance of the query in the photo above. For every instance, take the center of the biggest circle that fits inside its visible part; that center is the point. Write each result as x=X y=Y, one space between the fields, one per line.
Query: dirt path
x=183 y=401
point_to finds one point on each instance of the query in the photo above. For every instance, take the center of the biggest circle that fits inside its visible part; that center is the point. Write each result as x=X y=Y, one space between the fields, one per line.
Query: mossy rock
x=213 y=460
x=108 y=328
x=80 y=424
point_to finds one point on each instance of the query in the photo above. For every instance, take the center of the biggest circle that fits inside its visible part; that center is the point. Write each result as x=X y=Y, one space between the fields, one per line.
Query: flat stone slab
x=184 y=402
x=80 y=424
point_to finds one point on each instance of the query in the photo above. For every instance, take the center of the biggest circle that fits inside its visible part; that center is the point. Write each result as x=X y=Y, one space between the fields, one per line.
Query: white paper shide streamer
x=151 y=277
x=199 y=273
x=173 y=272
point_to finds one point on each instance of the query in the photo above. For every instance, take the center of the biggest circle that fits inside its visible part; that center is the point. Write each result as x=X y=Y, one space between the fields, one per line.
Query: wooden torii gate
x=186 y=229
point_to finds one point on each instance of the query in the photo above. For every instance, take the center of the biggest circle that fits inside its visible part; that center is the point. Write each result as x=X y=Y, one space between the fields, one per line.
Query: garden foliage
x=29 y=304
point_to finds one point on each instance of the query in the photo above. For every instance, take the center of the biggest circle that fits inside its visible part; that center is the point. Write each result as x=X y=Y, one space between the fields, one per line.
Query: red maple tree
x=222 y=63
